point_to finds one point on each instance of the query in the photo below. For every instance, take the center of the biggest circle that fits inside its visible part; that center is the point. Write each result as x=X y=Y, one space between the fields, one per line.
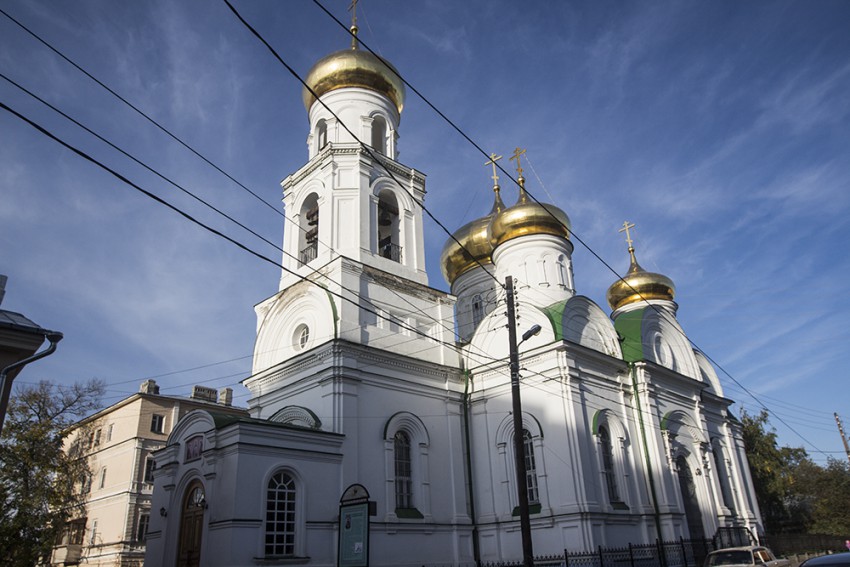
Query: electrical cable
x=363 y=146
x=190 y=218
x=139 y=111
x=571 y=232
x=186 y=191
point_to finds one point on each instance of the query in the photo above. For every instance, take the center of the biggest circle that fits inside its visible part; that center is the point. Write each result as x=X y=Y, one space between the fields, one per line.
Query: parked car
x=749 y=556
x=833 y=560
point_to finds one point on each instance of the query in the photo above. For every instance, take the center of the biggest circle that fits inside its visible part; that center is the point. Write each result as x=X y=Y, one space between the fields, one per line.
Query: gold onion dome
x=528 y=217
x=353 y=68
x=470 y=246
x=638 y=284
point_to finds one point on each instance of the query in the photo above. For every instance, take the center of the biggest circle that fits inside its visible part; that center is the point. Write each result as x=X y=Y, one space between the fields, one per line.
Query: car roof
x=833 y=559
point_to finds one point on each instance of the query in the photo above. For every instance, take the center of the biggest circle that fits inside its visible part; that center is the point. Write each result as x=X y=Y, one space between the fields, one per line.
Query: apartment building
x=121 y=439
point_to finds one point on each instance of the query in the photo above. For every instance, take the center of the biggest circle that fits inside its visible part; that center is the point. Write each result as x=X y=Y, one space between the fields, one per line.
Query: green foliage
x=794 y=493
x=39 y=479
x=826 y=492
x=772 y=468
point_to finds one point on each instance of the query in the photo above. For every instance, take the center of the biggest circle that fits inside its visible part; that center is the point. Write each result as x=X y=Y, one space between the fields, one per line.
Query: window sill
x=532 y=509
x=619 y=506
x=408 y=514
x=287 y=560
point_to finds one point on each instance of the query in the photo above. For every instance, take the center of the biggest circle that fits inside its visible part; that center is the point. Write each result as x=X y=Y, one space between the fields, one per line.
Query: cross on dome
x=626 y=226
x=493 y=159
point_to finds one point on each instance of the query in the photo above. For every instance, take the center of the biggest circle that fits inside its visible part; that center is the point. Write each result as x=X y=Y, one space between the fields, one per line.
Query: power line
x=570 y=231
x=139 y=111
x=363 y=146
x=233 y=241
x=228 y=217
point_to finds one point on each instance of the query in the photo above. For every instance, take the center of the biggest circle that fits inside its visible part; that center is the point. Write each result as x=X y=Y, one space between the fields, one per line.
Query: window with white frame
x=142 y=526
x=403 y=471
x=321 y=134
x=477 y=310
x=608 y=470
x=150 y=465
x=280 y=515
x=109 y=432
x=102 y=477
x=530 y=468
x=157 y=423
x=406 y=445
x=379 y=134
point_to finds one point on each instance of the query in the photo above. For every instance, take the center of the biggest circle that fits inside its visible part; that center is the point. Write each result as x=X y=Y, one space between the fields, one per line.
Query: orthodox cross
x=493 y=159
x=353 y=10
x=626 y=226
x=517 y=153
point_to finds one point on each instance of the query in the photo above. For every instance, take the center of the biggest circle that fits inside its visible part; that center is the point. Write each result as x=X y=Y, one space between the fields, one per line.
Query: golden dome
x=353 y=68
x=528 y=217
x=474 y=244
x=638 y=284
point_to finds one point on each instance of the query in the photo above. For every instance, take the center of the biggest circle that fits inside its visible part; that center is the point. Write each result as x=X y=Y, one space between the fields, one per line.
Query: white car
x=750 y=556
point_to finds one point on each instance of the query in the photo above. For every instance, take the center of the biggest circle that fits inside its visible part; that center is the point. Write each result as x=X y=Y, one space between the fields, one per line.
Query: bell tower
x=354 y=227
x=353 y=198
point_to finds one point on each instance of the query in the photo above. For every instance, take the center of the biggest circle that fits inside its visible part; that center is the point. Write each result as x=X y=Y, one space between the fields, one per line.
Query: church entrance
x=191 y=526
x=693 y=514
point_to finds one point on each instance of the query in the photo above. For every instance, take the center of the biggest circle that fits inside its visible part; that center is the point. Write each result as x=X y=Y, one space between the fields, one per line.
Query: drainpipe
x=6 y=383
x=476 y=549
x=657 y=514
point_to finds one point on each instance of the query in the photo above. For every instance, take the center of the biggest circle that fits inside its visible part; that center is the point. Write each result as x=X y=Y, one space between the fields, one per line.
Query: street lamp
x=519 y=442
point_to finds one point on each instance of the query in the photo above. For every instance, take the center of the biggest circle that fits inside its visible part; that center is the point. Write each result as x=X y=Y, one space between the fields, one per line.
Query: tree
x=826 y=492
x=773 y=469
x=39 y=476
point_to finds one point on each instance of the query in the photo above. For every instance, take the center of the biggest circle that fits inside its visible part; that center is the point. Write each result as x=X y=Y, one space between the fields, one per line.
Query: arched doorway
x=693 y=514
x=191 y=526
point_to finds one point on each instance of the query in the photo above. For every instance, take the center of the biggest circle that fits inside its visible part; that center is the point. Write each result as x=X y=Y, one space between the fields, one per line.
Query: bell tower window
x=309 y=230
x=379 y=134
x=388 y=227
x=321 y=134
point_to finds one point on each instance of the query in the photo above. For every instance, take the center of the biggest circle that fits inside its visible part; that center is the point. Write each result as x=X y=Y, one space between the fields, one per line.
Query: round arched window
x=301 y=337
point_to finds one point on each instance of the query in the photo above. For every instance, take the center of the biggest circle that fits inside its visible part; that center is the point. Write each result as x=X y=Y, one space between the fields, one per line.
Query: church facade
x=364 y=375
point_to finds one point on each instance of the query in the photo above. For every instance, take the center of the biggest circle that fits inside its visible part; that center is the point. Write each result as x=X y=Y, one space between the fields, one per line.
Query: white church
x=369 y=382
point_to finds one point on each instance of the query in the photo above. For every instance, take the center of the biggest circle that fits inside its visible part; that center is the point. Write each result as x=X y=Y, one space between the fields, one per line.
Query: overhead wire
x=569 y=229
x=214 y=231
x=138 y=110
x=427 y=102
x=363 y=146
x=225 y=215
x=183 y=143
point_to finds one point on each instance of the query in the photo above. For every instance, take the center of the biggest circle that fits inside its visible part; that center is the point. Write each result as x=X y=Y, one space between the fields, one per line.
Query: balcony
x=390 y=251
x=68 y=554
x=308 y=254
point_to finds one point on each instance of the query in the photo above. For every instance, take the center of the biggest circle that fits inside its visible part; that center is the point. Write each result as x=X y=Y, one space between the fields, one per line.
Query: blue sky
x=721 y=129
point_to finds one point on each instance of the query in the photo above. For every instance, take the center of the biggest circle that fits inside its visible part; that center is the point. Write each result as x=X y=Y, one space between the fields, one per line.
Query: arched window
x=608 y=470
x=723 y=477
x=477 y=310
x=321 y=134
x=379 y=134
x=406 y=445
x=308 y=236
x=388 y=226
x=530 y=468
x=403 y=471
x=280 y=515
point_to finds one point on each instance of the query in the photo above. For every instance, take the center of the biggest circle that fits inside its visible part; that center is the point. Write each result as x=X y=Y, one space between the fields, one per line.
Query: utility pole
x=519 y=441
x=843 y=437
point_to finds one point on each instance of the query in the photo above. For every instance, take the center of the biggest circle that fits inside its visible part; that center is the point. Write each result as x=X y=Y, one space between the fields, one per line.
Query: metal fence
x=683 y=553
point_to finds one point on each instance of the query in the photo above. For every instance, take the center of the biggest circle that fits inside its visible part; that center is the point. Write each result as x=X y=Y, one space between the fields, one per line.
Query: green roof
x=628 y=326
